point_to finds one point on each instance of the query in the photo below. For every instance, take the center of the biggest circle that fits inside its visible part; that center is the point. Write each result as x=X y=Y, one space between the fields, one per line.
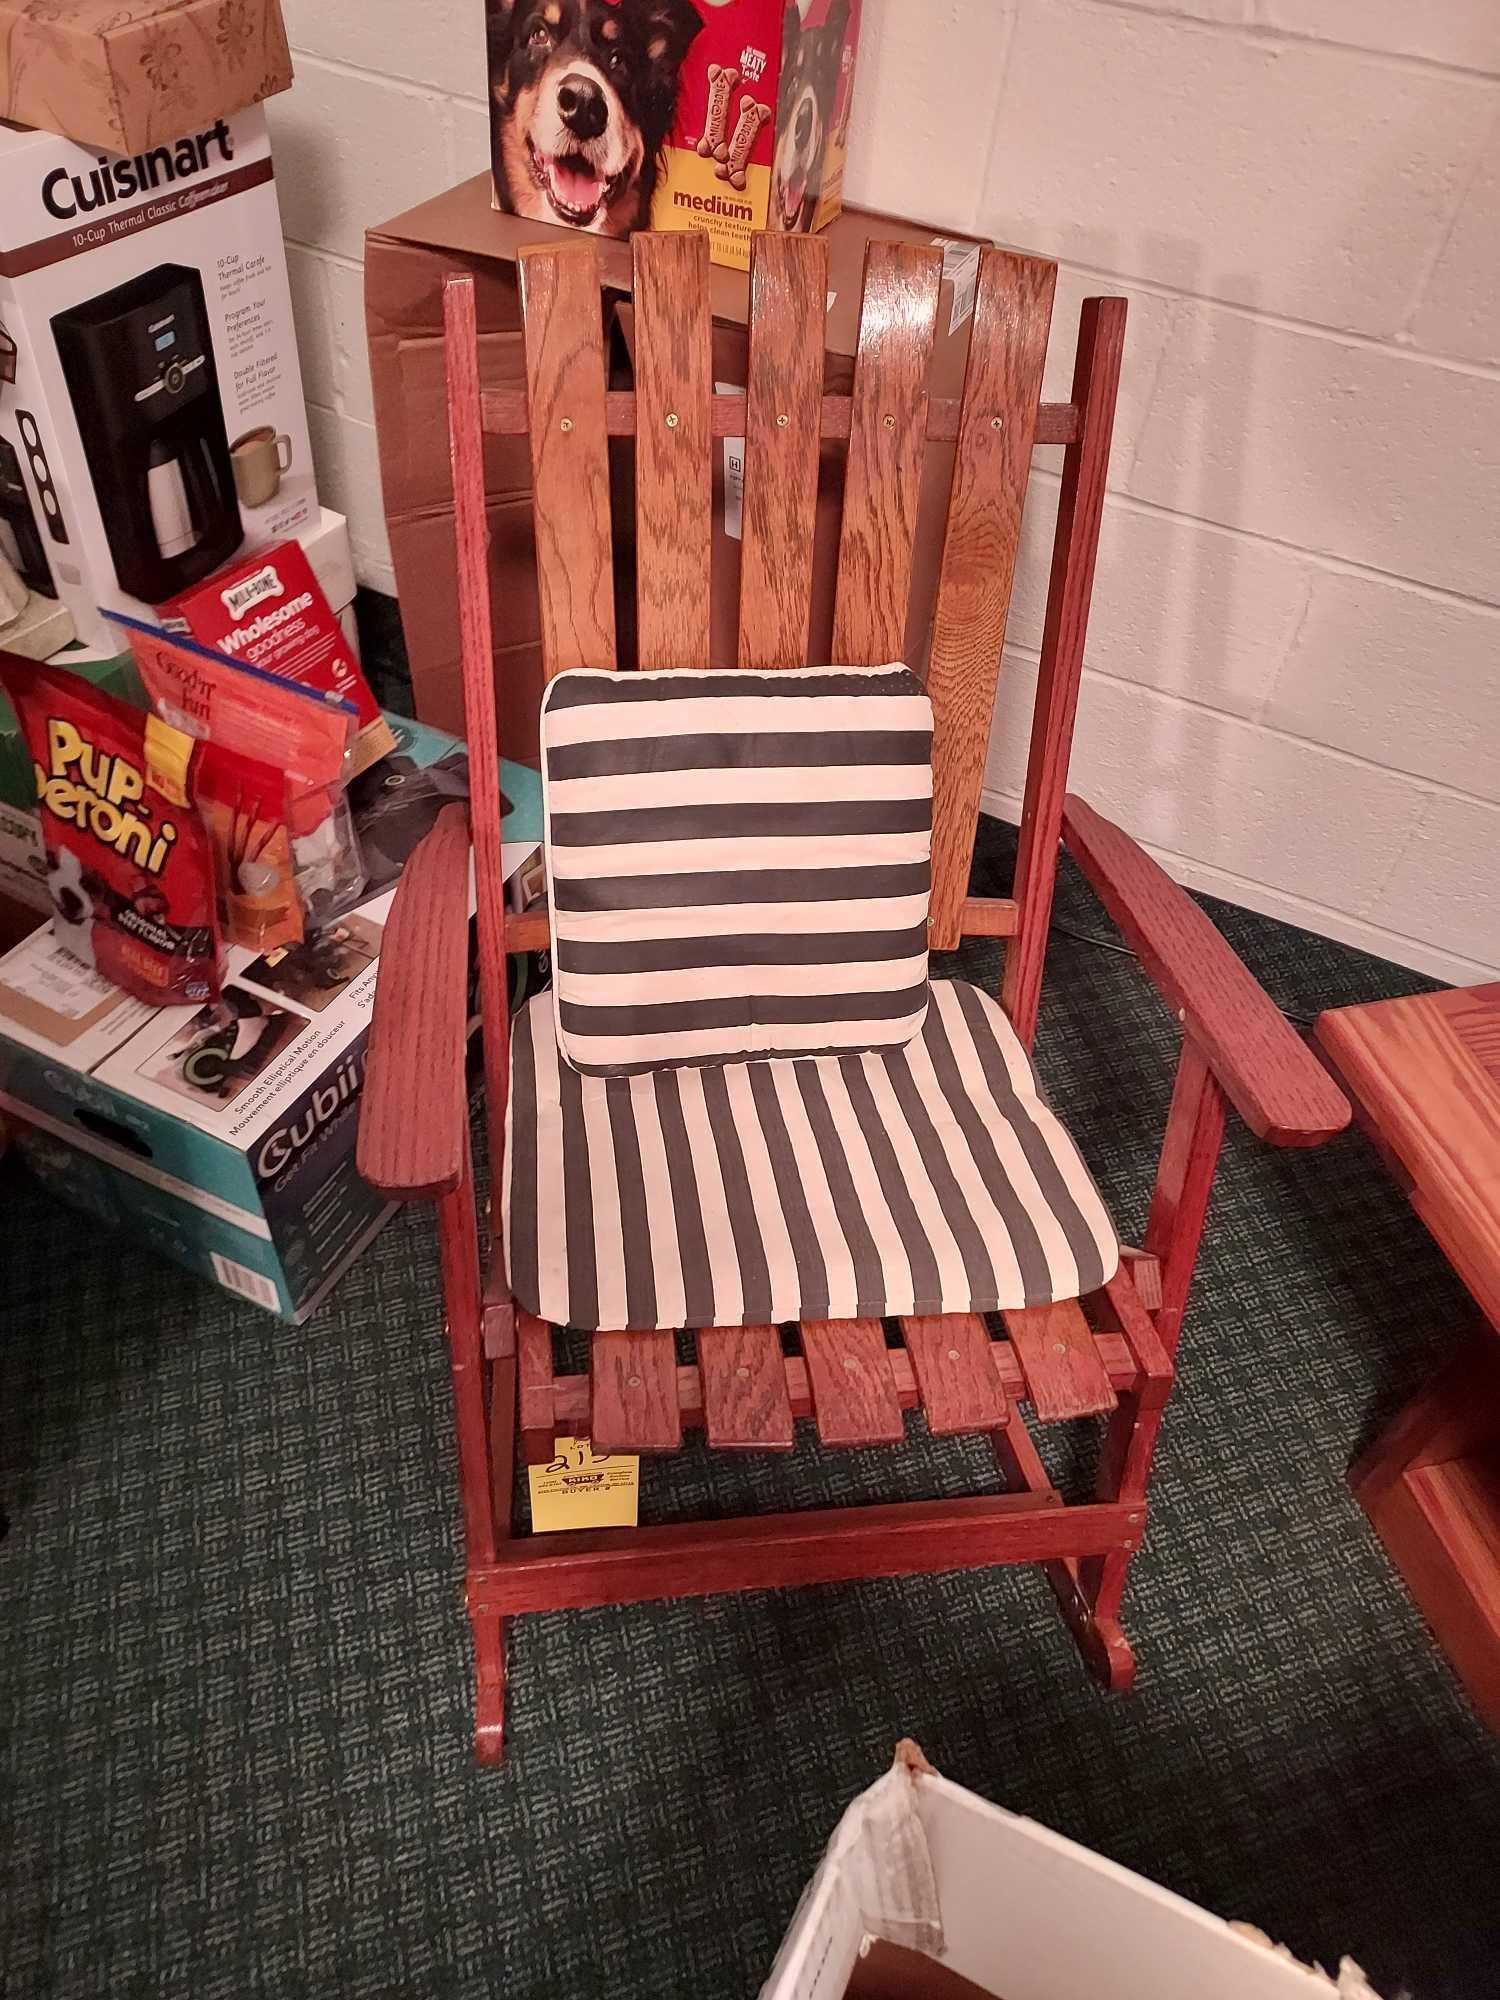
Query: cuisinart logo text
x=68 y=195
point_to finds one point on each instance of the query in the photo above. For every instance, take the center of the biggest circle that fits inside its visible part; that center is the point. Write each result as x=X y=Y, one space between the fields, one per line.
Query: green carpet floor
x=236 y=1676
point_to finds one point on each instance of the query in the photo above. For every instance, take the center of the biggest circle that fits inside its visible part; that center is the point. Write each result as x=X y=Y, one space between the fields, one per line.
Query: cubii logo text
x=281 y=1146
x=67 y=195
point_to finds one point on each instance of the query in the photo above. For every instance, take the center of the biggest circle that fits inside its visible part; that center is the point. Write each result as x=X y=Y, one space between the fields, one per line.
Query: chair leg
x=489 y=1688
x=1098 y=1634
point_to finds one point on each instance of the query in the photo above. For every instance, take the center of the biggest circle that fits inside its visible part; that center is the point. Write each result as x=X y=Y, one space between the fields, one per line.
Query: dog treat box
x=727 y=116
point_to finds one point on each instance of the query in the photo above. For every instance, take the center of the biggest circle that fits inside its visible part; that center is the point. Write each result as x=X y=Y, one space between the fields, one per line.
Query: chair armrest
x=1263 y=1066
x=414 y=1117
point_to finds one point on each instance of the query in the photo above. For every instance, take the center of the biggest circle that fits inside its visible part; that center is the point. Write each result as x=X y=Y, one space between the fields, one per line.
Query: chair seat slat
x=745 y=1402
x=887 y=442
x=1065 y=1376
x=635 y=1405
x=952 y=1360
x=788 y=292
x=853 y=1389
x=569 y=455
x=674 y=429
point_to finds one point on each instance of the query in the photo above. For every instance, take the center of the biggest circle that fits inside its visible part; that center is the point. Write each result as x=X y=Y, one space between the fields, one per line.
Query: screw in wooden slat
x=850 y=1363
x=953 y=1354
x=997 y=423
x=632 y=1381
x=566 y=424
x=743 y=1373
x=782 y=421
x=671 y=420
x=1059 y=1347
x=889 y=422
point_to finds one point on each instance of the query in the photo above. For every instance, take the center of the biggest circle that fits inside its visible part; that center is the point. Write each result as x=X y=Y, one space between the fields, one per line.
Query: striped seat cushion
x=738 y=863
x=927 y=1179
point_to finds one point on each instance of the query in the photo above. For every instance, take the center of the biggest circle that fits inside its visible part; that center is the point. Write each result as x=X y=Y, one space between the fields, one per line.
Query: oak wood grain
x=1184 y=1185
x=887 y=437
x=849 y=1376
x=745 y=1402
x=1080 y=505
x=788 y=289
x=1002 y=389
x=506 y=414
x=1064 y=1374
x=414 y=1113
x=564 y=338
x=1268 y=1073
x=951 y=1358
x=673 y=473
x=571 y=1392
x=635 y=1405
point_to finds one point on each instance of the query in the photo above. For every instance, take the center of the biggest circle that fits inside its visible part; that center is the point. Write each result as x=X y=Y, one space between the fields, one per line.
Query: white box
x=156 y=409
x=919 y=1869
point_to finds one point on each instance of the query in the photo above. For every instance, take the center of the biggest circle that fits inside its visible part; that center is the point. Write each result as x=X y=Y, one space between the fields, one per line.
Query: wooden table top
x=1424 y=1076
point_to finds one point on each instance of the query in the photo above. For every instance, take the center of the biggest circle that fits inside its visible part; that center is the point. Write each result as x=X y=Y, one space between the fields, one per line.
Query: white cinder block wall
x=1293 y=688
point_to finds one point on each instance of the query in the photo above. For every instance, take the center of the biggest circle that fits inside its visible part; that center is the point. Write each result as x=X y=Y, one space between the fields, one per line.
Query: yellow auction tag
x=583 y=1488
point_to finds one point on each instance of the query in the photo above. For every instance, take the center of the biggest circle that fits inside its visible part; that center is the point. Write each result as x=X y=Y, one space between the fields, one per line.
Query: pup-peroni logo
x=87 y=787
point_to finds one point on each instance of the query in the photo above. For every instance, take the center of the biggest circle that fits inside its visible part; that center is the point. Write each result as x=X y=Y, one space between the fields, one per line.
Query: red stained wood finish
x=1265 y=1069
x=788 y=292
x=1064 y=1375
x=956 y=1377
x=416 y=1049
x=1424 y=1073
x=746 y=1406
x=1080 y=506
x=887 y=436
x=1115 y=1359
x=853 y=1390
x=767 y=1552
x=673 y=487
x=635 y=1404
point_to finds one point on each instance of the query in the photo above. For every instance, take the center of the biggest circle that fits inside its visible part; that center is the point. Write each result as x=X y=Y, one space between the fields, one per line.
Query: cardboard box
x=226 y=1139
x=689 y=114
x=927 y=1892
x=406 y=261
x=131 y=74
x=156 y=414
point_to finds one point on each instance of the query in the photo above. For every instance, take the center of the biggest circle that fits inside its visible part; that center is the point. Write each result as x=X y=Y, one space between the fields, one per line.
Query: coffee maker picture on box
x=155 y=422
x=727 y=116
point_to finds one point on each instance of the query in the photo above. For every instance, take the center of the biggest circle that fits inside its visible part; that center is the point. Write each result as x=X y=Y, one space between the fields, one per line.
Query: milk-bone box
x=269 y=612
x=131 y=74
x=727 y=116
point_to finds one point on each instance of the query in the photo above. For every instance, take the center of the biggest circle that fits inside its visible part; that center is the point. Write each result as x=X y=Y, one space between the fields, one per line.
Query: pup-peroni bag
x=129 y=861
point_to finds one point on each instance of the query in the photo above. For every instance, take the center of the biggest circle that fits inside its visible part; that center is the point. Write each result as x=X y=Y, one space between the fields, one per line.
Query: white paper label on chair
x=961 y=270
x=734 y=471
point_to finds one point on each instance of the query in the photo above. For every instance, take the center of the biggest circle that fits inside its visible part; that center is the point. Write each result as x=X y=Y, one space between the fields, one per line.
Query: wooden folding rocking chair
x=885 y=1194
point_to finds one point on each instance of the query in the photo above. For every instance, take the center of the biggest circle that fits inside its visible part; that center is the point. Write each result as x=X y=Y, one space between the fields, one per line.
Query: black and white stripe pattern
x=739 y=863
x=927 y=1179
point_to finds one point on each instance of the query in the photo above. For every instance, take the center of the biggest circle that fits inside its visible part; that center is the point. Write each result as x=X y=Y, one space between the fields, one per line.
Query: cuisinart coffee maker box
x=223 y=1136
x=151 y=414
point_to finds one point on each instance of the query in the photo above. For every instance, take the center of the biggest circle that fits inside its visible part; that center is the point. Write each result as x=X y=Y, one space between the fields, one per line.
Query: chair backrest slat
x=887 y=441
x=788 y=311
x=1002 y=391
x=673 y=469
x=569 y=456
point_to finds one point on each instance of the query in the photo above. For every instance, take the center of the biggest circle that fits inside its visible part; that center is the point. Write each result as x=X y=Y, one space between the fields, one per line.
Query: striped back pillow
x=739 y=863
